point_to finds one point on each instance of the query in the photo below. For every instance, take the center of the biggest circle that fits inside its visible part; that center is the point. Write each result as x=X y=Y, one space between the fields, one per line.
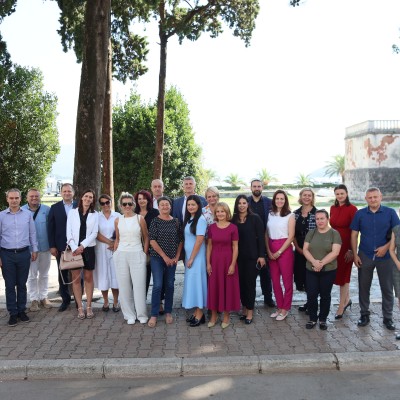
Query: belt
x=22 y=249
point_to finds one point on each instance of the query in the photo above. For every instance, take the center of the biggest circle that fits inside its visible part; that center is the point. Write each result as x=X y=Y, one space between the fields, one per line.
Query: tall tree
x=7 y=7
x=189 y=19
x=28 y=131
x=134 y=125
x=125 y=60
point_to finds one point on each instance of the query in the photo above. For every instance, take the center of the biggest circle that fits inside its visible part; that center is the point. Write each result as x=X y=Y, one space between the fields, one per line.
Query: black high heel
x=197 y=322
x=190 y=319
x=348 y=305
x=340 y=316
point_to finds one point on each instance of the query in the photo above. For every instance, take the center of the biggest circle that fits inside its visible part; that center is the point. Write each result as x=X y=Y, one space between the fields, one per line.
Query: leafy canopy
x=134 y=124
x=28 y=132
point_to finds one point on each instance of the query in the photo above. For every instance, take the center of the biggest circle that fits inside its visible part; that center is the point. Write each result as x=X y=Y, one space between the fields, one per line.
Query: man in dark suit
x=57 y=233
x=261 y=205
x=179 y=205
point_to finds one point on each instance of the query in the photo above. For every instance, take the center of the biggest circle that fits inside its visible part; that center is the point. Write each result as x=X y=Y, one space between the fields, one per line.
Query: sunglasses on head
x=127 y=204
x=105 y=203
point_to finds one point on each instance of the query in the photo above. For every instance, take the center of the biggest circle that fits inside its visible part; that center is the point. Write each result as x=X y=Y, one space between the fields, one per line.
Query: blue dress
x=195 y=285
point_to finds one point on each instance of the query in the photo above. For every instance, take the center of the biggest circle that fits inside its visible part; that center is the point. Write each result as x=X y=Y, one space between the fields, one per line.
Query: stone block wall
x=386 y=179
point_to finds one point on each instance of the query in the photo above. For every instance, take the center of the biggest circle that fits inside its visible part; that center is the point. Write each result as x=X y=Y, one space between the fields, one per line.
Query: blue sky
x=281 y=104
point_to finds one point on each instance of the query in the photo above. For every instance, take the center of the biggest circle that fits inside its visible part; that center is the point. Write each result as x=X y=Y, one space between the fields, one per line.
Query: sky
x=282 y=104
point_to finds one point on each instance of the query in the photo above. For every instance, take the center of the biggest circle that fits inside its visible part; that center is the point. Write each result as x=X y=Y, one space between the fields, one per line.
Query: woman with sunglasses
x=130 y=260
x=166 y=242
x=104 y=275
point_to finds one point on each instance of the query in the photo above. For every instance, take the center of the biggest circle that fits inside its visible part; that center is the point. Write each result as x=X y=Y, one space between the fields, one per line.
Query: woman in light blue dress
x=195 y=285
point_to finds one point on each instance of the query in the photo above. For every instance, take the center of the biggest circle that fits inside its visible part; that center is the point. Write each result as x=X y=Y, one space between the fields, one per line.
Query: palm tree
x=211 y=175
x=304 y=180
x=266 y=177
x=335 y=167
x=234 y=180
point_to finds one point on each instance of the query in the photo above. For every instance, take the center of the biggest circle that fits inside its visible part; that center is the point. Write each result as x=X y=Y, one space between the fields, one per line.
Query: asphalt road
x=308 y=386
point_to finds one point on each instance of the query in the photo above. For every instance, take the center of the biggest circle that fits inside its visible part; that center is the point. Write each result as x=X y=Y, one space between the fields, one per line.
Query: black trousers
x=247 y=282
x=300 y=271
x=63 y=288
x=319 y=284
x=265 y=281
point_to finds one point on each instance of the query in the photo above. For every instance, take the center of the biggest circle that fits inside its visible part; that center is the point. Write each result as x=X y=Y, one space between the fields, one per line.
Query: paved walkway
x=59 y=336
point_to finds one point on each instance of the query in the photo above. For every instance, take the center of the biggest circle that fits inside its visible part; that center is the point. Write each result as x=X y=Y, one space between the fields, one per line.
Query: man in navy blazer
x=179 y=205
x=261 y=205
x=57 y=233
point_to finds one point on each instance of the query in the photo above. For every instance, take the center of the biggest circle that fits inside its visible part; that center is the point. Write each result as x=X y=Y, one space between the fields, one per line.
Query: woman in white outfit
x=82 y=228
x=130 y=260
x=104 y=274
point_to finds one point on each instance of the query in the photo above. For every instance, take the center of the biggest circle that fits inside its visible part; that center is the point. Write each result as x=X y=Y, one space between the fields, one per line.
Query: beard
x=256 y=193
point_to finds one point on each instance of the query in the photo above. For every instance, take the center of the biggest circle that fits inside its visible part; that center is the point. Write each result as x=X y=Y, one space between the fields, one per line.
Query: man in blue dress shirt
x=374 y=223
x=17 y=236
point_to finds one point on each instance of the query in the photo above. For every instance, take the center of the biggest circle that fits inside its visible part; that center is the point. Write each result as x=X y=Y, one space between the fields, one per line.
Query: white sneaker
x=34 y=306
x=131 y=322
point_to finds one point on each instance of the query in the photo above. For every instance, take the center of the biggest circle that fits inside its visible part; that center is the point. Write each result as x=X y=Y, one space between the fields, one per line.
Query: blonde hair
x=211 y=189
x=307 y=189
x=226 y=208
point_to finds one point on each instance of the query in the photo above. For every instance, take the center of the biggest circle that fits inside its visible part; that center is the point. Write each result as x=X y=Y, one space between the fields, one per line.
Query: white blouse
x=278 y=227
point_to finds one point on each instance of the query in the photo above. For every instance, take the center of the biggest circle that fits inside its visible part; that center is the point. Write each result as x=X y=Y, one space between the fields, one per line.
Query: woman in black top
x=144 y=207
x=166 y=242
x=305 y=221
x=251 y=253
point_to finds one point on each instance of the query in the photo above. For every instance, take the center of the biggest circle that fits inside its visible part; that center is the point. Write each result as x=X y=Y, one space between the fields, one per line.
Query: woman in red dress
x=223 y=278
x=341 y=215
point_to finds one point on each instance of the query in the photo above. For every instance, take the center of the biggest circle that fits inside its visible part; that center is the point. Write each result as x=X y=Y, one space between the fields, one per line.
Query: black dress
x=88 y=254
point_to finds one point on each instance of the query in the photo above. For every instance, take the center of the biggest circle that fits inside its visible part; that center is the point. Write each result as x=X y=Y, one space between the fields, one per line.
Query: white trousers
x=130 y=268
x=38 y=278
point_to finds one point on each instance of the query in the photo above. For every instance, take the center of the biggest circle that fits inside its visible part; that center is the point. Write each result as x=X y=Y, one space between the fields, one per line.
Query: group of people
x=223 y=253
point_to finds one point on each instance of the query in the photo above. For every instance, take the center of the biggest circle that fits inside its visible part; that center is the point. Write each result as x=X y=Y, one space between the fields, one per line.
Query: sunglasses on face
x=127 y=204
x=105 y=203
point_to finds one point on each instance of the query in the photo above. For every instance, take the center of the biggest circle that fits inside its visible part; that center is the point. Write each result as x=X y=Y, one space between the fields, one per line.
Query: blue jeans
x=162 y=273
x=15 y=273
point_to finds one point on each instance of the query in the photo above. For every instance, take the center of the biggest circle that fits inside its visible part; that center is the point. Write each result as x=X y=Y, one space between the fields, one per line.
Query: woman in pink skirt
x=222 y=252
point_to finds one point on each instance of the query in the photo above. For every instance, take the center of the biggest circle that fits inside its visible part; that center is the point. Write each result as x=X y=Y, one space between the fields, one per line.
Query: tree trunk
x=158 y=159
x=88 y=139
x=107 y=185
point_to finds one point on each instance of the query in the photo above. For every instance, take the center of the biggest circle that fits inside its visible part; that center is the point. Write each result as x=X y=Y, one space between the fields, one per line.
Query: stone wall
x=386 y=179
x=372 y=158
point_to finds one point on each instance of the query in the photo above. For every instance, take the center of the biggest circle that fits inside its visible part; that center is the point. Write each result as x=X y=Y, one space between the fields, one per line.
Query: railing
x=374 y=126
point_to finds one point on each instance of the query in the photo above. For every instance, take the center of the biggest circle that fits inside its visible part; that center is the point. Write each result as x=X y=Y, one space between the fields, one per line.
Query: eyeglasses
x=127 y=204
x=105 y=203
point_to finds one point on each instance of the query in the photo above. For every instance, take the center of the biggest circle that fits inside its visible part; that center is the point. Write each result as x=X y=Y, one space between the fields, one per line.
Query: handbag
x=69 y=261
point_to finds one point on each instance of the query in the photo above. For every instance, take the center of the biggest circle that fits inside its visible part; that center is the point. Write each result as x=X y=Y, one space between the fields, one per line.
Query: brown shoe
x=34 y=306
x=45 y=303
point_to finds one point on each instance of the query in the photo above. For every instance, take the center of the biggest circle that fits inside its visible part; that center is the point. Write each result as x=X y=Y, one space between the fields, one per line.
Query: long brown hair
x=285 y=209
x=91 y=207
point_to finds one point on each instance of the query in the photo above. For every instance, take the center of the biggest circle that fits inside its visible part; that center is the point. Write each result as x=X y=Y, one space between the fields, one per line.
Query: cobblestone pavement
x=54 y=335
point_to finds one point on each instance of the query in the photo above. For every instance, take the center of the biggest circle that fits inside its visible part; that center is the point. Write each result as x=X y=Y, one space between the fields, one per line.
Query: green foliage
x=234 y=180
x=134 y=125
x=129 y=50
x=266 y=177
x=336 y=166
x=304 y=180
x=28 y=132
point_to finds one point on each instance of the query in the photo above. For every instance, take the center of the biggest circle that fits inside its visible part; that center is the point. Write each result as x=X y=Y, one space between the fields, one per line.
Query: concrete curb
x=175 y=366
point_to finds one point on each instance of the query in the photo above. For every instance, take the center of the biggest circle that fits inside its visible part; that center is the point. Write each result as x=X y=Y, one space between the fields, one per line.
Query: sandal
x=310 y=324
x=81 y=313
x=323 y=326
x=152 y=322
x=106 y=308
x=116 y=308
x=169 y=319
x=89 y=312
